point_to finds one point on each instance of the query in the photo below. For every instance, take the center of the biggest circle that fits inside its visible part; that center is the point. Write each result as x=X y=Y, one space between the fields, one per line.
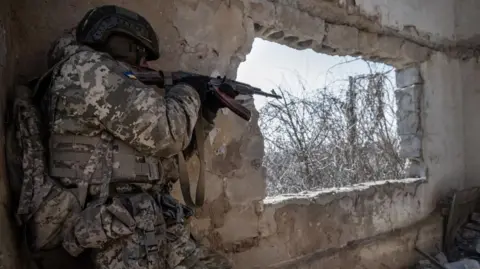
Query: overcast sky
x=270 y=65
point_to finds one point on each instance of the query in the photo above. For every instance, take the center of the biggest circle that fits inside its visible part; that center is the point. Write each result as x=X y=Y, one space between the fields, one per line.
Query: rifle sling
x=183 y=172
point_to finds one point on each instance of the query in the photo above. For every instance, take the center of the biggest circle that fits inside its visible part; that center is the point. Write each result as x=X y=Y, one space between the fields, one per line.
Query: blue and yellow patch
x=129 y=74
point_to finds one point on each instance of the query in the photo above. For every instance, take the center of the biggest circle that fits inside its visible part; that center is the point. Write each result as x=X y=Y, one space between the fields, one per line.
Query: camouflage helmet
x=101 y=22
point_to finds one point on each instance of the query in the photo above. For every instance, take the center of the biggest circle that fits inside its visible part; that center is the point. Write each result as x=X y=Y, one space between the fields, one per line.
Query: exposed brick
x=408 y=109
x=412 y=52
x=342 y=37
x=408 y=76
x=410 y=146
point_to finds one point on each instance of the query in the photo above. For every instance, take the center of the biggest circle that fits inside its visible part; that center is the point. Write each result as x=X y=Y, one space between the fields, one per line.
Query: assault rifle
x=168 y=79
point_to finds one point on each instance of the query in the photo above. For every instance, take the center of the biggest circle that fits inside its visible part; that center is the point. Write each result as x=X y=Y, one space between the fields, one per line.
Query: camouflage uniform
x=106 y=130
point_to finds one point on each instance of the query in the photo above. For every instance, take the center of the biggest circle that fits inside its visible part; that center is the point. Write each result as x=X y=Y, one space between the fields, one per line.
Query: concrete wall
x=8 y=250
x=467 y=31
x=352 y=227
x=467 y=73
x=470 y=85
x=326 y=229
x=432 y=20
x=183 y=43
x=443 y=121
x=429 y=23
x=296 y=228
x=337 y=28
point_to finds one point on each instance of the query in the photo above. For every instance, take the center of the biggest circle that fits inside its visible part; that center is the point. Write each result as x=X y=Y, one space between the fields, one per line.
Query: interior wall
x=442 y=122
x=467 y=32
x=309 y=228
x=8 y=251
x=183 y=43
x=470 y=86
x=428 y=23
x=432 y=19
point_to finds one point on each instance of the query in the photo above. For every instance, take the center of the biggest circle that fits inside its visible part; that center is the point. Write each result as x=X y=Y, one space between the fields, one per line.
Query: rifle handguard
x=233 y=105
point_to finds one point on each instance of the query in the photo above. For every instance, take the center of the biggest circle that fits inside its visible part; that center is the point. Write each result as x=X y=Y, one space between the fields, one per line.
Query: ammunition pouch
x=70 y=154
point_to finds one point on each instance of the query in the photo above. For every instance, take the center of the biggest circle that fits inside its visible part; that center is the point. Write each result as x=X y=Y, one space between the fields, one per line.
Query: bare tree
x=332 y=136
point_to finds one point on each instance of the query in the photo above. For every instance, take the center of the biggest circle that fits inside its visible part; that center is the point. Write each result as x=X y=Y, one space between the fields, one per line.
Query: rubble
x=461 y=248
x=462 y=264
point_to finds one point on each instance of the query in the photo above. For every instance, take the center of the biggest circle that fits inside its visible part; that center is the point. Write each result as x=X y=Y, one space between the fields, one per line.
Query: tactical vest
x=99 y=161
x=103 y=163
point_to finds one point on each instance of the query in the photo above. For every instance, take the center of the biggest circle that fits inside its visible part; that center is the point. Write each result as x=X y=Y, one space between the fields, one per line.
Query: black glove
x=210 y=103
x=200 y=84
x=213 y=102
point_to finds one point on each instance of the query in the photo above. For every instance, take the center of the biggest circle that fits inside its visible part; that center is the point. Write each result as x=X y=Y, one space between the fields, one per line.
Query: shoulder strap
x=49 y=71
x=103 y=151
x=182 y=166
x=183 y=172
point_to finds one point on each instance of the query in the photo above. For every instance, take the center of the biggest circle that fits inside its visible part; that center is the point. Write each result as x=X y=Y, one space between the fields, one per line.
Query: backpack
x=25 y=149
x=34 y=196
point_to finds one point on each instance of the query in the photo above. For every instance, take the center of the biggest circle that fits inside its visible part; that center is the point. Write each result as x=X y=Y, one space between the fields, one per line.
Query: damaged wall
x=389 y=251
x=314 y=229
x=337 y=28
x=429 y=23
x=221 y=38
x=296 y=228
x=467 y=32
x=432 y=21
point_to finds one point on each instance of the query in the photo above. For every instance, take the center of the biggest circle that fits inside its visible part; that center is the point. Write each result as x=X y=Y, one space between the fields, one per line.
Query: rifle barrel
x=253 y=90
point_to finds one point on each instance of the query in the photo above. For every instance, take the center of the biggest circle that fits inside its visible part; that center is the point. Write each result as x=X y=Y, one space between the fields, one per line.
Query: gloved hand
x=214 y=103
x=210 y=103
x=200 y=84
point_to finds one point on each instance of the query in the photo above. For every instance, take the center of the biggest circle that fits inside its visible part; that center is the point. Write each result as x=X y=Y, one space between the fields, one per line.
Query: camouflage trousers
x=181 y=252
x=137 y=232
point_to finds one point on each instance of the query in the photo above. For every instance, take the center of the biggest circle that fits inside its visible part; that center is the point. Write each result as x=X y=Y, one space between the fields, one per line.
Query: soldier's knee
x=204 y=258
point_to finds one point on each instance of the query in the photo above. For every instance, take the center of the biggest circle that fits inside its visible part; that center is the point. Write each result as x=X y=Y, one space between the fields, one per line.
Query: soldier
x=113 y=142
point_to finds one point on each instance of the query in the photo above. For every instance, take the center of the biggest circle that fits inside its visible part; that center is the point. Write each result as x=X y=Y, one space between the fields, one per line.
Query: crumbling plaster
x=391 y=251
x=467 y=32
x=334 y=228
x=395 y=32
x=315 y=222
x=332 y=28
